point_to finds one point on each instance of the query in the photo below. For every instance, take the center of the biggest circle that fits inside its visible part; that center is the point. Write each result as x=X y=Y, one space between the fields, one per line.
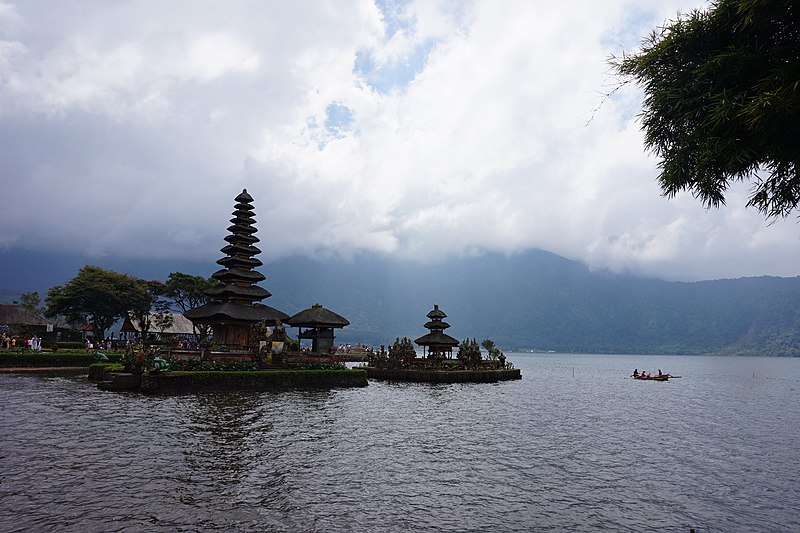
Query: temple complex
x=234 y=308
x=437 y=343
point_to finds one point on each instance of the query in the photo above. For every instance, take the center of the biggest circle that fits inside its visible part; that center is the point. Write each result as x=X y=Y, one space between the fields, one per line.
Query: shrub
x=98 y=371
x=69 y=345
x=212 y=366
x=320 y=366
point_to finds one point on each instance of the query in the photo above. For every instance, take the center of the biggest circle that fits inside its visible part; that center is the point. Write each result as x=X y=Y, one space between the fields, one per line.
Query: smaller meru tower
x=234 y=308
x=437 y=343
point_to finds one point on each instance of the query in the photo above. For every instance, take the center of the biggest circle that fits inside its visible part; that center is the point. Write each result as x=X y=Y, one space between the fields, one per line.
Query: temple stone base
x=443 y=376
x=121 y=381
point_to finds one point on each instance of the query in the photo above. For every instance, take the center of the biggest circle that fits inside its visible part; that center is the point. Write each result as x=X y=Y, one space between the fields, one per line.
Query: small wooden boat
x=662 y=377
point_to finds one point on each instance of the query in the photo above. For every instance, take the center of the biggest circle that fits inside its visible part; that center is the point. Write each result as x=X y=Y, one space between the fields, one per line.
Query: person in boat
x=659 y=373
x=636 y=372
x=648 y=375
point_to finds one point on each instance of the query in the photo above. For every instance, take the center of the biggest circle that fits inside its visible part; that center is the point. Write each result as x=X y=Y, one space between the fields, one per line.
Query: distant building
x=180 y=326
x=17 y=320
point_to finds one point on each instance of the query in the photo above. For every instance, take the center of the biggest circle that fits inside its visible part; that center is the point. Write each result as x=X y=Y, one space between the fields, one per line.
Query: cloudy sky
x=414 y=129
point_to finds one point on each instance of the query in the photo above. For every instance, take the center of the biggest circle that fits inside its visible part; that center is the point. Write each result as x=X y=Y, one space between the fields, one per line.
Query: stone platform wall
x=443 y=376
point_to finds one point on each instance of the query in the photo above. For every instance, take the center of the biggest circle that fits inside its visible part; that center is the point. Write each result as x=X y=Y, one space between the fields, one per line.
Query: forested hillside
x=541 y=301
x=534 y=300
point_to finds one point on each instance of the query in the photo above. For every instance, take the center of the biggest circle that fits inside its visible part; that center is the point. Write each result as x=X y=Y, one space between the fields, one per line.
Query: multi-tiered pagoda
x=437 y=342
x=233 y=309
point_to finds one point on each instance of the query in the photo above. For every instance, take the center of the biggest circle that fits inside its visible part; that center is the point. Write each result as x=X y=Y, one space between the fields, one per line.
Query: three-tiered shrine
x=437 y=342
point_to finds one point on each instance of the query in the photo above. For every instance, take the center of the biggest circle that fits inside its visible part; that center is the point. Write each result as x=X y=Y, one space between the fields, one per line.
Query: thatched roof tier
x=244 y=198
x=240 y=229
x=229 y=275
x=245 y=250
x=436 y=313
x=16 y=315
x=240 y=262
x=242 y=239
x=436 y=338
x=317 y=316
x=245 y=219
x=223 y=291
x=436 y=324
x=217 y=312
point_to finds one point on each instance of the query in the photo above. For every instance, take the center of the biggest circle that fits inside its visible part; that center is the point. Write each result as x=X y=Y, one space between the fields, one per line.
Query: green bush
x=211 y=366
x=69 y=345
x=320 y=366
x=98 y=371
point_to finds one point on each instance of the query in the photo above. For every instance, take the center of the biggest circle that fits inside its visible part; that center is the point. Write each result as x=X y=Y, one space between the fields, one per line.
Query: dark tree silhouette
x=722 y=101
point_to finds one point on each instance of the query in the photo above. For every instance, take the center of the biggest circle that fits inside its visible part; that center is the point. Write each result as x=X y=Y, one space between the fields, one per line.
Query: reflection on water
x=572 y=446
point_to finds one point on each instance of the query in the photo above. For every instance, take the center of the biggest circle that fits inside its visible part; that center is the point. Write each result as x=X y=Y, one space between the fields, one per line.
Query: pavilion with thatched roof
x=437 y=343
x=320 y=323
x=233 y=309
x=15 y=319
x=17 y=315
x=176 y=325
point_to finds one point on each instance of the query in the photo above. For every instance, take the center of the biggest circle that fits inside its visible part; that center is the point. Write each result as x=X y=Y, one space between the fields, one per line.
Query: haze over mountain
x=534 y=300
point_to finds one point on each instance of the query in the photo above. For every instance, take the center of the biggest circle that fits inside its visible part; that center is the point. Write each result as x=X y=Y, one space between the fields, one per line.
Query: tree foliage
x=156 y=312
x=722 y=101
x=493 y=351
x=32 y=302
x=98 y=297
x=187 y=291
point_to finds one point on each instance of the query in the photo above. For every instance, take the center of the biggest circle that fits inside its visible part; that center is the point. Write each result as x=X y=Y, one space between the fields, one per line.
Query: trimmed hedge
x=70 y=345
x=41 y=359
x=179 y=382
x=98 y=371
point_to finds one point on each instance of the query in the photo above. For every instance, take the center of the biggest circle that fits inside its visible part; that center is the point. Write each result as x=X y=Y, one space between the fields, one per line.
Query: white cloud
x=212 y=56
x=430 y=129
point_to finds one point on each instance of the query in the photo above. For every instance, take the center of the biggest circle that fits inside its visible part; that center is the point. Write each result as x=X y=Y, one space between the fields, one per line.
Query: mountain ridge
x=532 y=300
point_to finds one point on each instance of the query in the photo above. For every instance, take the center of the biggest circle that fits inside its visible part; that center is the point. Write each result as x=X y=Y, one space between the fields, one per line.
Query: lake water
x=574 y=446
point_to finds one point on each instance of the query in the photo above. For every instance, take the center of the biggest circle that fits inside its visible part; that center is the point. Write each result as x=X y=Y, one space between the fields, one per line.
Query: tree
x=488 y=345
x=722 y=102
x=32 y=302
x=494 y=351
x=98 y=297
x=154 y=310
x=187 y=292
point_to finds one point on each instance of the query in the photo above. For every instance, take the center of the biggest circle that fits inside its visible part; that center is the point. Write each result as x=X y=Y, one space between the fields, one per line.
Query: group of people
x=11 y=342
x=107 y=344
x=644 y=374
x=8 y=342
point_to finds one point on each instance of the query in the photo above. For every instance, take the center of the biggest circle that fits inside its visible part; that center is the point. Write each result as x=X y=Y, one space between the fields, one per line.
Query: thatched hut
x=319 y=323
